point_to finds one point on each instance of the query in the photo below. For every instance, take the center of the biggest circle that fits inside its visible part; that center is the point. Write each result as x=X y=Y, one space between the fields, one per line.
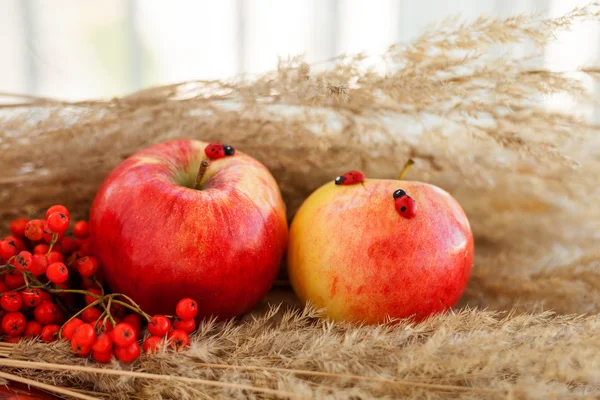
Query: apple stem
x=201 y=171
x=405 y=169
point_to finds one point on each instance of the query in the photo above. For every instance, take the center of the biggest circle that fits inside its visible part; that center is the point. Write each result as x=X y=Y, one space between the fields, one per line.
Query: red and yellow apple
x=360 y=254
x=159 y=240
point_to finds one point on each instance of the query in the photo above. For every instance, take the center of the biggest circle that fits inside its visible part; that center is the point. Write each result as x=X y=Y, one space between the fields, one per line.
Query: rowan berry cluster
x=51 y=288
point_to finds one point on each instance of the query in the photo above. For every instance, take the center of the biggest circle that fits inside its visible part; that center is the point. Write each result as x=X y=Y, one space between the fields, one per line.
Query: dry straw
x=475 y=121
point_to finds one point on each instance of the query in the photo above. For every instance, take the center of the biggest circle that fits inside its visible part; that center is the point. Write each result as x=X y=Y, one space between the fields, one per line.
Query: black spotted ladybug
x=350 y=178
x=405 y=205
x=214 y=151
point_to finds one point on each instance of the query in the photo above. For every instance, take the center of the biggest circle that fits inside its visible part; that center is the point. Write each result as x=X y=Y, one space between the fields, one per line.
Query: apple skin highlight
x=352 y=253
x=158 y=240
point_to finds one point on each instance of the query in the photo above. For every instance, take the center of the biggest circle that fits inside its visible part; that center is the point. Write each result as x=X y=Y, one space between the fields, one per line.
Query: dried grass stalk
x=526 y=175
x=468 y=354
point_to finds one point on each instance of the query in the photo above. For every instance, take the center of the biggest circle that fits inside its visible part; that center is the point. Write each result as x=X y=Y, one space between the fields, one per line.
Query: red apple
x=365 y=252
x=159 y=240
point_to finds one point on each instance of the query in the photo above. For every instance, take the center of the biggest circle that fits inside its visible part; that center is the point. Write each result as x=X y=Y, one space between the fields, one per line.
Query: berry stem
x=14 y=290
x=140 y=311
x=108 y=313
x=132 y=308
x=26 y=280
x=102 y=317
x=78 y=313
x=83 y=292
x=405 y=169
x=201 y=171
x=99 y=285
x=52 y=243
x=8 y=266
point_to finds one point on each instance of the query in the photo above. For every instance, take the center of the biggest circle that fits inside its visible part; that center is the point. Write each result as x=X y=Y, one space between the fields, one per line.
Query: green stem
x=98 y=320
x=52 y=243
x=78 y=291
x=108 y=313
x=26 y=280
x=140 y=311
x=405 y=169
x=133 y=309
x=15 y=290
x=76 y=315
x=99 y=285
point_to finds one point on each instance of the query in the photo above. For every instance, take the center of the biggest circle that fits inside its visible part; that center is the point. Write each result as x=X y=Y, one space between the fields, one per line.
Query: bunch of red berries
x=46 y=275
x=117 y=336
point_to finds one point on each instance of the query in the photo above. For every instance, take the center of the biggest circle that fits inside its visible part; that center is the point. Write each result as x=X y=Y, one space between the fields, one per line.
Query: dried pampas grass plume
x=475 y=123
x=295 y=354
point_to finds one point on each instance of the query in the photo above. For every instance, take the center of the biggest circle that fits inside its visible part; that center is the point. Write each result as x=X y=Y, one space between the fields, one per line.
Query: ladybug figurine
x=214 y=151
x=405 y=205
x=350 y=178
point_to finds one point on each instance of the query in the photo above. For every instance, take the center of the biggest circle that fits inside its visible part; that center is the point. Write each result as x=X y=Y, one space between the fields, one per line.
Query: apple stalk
x=201 y=171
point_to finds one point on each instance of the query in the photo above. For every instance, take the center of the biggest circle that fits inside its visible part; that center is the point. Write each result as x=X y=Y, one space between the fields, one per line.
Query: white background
x=76 y=49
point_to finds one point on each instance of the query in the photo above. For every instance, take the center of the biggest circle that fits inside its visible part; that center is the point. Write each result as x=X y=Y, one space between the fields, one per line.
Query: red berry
x=118 y=310
x=17 y=226
x=103 y=343
x=34 y=230
x=91 y=315
x=22 y=261
x=58 y=208
x=3 y=288
x=57 y=272
x=81 y=229
x=13 y=323
x=84 y=335
x=58 y=222
x=128 y=353
x=88 y=282
x=82 y=351
x=153 y=344
x=87 y=266
x=13 y=339
x=134 y=320
x=72 y=259
x=55 y=256
x=70 y=327
x=39 y=264
x=187 y=308
x=124 y=334
x=90 y=299
x=32 y=329
x=11 y=301
x=107 y=326
x=16 y=242
x=103 y=358
x=60 y=317
x=8 y=249
x=186 y=325
x=31 y=297
x=178 y=339
x=49 y=235
x=84 y=246
x=46 y=296
x=69 y=245
x=45 y=313
x=159 y=325
x=14 y=280
x=50 y=333
x=41 y=248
